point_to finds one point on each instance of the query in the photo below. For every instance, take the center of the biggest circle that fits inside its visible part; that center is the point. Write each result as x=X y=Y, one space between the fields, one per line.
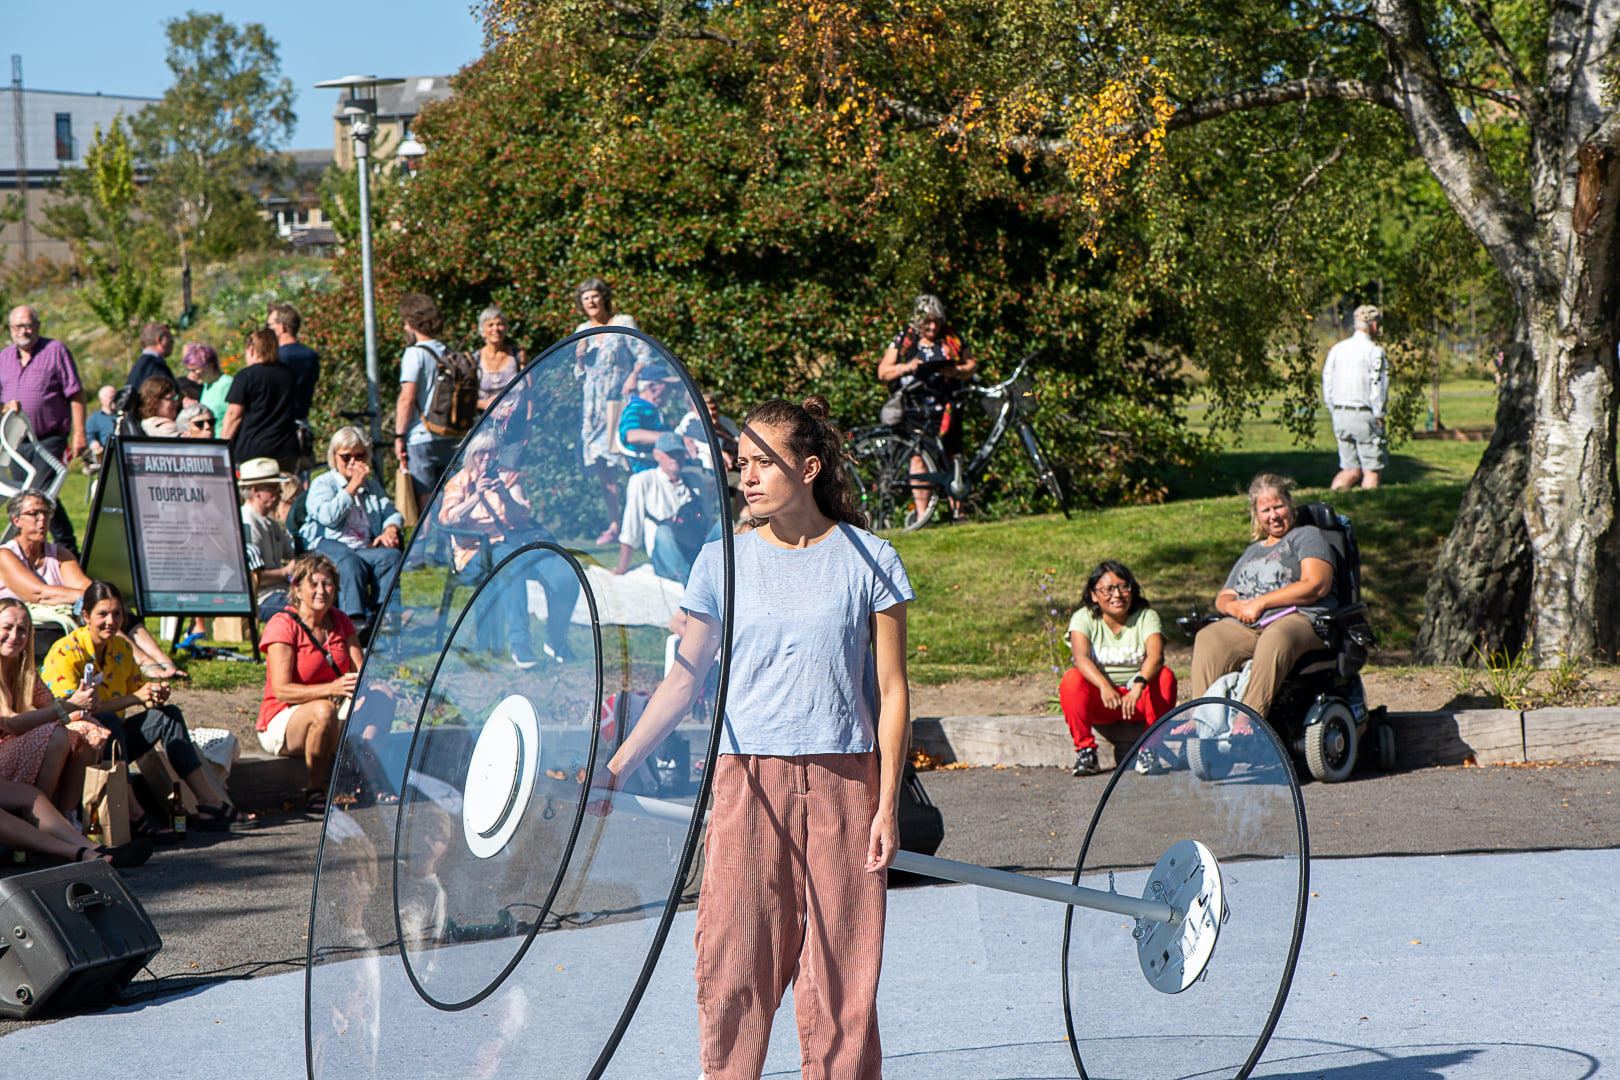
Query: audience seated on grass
x=47 y=578
x=350 y=519
x=97 y=657
x=39 y=744
x=312 y=663
x=1119 y=673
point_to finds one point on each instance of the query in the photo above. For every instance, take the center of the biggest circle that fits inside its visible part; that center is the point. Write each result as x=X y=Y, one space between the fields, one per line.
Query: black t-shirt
x=305 y=363
x=265 y=392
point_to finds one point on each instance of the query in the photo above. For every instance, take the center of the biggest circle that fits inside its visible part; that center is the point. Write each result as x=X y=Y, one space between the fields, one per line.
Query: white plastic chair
x=15 y=433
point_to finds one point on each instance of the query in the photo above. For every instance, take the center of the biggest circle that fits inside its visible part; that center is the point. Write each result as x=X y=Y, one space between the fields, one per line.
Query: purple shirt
x=43 y=387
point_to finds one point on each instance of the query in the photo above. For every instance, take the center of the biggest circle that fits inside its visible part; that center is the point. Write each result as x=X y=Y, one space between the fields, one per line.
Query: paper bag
x=106 y=795
x=160 y=776
x=405 y=497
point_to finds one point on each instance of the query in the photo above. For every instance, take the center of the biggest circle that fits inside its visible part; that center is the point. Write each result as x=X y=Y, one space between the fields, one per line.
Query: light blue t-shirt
x=803 y=680
x=420 y=365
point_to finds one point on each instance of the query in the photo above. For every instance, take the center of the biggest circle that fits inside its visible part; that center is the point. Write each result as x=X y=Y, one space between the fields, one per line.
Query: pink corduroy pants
x=786 y=901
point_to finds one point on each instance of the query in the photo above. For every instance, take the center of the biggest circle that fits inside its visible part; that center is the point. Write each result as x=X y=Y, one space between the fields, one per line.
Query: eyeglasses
x=352 y=457
x=1112 y=590
x=200 y=424
x=38 y=511
x=24 y=325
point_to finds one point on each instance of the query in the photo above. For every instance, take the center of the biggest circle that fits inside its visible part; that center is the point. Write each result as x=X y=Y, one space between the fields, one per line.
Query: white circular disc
x=1174 y=955
x=500 y=776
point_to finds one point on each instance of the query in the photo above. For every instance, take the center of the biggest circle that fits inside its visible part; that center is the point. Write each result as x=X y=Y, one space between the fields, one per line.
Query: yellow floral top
x=64 y=666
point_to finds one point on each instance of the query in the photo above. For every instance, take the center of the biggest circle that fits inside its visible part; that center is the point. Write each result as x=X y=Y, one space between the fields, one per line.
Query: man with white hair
x=1355 y=383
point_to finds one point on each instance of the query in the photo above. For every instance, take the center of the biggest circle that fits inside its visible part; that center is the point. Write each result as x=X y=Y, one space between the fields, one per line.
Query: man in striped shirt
x=1355 y=383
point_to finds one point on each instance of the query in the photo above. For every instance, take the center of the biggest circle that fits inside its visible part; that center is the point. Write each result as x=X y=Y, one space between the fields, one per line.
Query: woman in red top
x=312 y=663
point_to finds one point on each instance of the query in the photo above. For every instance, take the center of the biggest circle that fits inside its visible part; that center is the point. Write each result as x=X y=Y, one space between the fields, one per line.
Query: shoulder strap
x=315 y=641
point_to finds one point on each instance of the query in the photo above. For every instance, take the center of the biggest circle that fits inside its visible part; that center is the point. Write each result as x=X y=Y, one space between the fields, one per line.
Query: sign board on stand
x=166 y=529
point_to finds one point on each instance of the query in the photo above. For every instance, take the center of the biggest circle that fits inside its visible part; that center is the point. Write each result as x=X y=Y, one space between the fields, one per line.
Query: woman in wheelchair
x=1275 y=589
x=1119 y=674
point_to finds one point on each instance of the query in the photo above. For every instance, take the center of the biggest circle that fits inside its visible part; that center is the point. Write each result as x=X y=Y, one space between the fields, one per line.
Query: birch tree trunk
x=1532 y=557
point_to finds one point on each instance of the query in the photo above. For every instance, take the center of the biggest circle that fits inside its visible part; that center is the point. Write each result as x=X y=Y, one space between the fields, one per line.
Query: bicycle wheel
x=881 y=470
x=1043 y=469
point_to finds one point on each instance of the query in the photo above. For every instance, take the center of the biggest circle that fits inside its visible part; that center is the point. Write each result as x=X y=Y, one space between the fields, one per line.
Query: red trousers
x=787 y=900
x=1083 y=707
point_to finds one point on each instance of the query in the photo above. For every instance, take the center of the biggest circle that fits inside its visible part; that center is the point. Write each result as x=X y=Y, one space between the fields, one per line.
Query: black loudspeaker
x=70 y=936
x=922 y=826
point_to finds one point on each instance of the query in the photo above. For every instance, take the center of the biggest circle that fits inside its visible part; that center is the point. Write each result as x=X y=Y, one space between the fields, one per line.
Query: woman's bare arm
x=893 y=732
x=669 y=703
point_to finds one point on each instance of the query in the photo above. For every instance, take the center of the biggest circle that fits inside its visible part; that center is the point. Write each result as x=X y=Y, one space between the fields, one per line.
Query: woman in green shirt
x=1119 y=674
x=202 y=363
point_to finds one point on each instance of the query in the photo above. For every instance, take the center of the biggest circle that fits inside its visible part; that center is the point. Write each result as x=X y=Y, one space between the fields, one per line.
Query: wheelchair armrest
x=1350 y=620
x=1191 y=624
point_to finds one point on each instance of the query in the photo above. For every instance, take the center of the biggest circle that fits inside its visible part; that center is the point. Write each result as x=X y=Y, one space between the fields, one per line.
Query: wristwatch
x=1140 y=679
x=61 y=710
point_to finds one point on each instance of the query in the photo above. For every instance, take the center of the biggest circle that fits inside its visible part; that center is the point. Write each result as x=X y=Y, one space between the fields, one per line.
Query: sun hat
x=260 y=470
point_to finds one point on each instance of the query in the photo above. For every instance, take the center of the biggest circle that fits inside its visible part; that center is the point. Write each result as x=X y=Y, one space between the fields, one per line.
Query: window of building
x=64 y=136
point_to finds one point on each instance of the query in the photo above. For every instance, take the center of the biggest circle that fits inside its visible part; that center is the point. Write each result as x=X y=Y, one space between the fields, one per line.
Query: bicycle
x=880 y=456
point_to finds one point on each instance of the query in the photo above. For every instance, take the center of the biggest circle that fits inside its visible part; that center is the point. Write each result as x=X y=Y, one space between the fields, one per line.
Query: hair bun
x=817 y=407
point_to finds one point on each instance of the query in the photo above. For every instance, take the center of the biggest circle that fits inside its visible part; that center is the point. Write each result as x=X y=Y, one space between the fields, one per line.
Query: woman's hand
x=1127 y=704
x=344 y=685
x=153 y=694
x=884 y=844
x=1111 y=697
x=81 y=700
x=1249 y=611
x=605 y=780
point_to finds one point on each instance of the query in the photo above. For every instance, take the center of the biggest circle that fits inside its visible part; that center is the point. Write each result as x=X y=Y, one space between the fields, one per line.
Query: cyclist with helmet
x=924 y=362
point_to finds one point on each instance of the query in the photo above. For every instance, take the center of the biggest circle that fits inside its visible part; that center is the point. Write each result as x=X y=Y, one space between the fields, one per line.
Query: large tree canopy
x=773 y=263
x=1507 y=104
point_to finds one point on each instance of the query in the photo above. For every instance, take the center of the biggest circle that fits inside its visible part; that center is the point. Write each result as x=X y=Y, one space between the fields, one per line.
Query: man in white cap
x=260 y=480
x=1355 y=384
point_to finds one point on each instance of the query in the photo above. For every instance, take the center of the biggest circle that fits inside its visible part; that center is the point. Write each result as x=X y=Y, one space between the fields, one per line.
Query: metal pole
x=950 y=870
x=1040 y=888
x=20 y=112
x=361 y=133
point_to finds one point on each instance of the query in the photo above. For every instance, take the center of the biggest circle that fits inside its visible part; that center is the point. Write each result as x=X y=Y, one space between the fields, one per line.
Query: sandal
x=315 y=801
x=78 y=856
x=124 y=856
x=148 y=827
x=217 y=818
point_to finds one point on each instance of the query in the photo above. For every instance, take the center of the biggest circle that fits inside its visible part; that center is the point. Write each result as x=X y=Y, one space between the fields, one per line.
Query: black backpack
x=453 y=406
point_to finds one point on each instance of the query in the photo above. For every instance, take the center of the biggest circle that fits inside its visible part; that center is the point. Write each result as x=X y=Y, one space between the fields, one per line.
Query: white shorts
x=1362 y=442
x=274 y=737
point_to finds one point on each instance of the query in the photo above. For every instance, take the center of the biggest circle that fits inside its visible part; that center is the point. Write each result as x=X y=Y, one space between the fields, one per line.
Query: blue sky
x=118 y=48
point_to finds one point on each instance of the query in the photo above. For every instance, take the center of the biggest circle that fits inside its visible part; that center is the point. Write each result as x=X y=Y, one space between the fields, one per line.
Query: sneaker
x=562 y=656
x=1148 y=763
x=1085 y=762
x=523 y=657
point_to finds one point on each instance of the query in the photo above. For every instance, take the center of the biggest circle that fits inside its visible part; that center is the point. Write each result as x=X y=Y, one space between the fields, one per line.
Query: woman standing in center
x=805 y=791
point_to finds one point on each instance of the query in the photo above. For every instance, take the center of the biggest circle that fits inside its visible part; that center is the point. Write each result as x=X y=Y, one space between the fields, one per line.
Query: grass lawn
x=994 y=599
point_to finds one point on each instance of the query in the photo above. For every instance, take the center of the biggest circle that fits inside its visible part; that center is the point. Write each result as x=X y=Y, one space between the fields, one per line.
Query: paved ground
x=1424 y=968
x=242 y=901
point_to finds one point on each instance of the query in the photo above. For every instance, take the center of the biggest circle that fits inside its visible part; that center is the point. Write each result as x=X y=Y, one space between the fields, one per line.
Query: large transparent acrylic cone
x=1210 y=771
x=471 y=918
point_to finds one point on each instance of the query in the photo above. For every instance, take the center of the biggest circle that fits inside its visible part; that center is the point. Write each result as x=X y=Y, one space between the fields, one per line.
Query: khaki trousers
x=1223 y=647
x=786 y=900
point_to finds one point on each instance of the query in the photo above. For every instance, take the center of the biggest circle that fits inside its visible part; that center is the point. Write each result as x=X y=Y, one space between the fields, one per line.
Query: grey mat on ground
x=1436 y=967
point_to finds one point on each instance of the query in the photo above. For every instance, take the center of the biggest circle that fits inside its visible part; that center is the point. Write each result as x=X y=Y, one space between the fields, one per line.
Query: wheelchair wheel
x=1330 y=744
x=1207 y=760
x=1386 y=748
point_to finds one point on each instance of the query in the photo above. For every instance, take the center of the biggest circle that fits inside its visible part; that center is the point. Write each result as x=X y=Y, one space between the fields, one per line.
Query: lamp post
x=360 y=110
